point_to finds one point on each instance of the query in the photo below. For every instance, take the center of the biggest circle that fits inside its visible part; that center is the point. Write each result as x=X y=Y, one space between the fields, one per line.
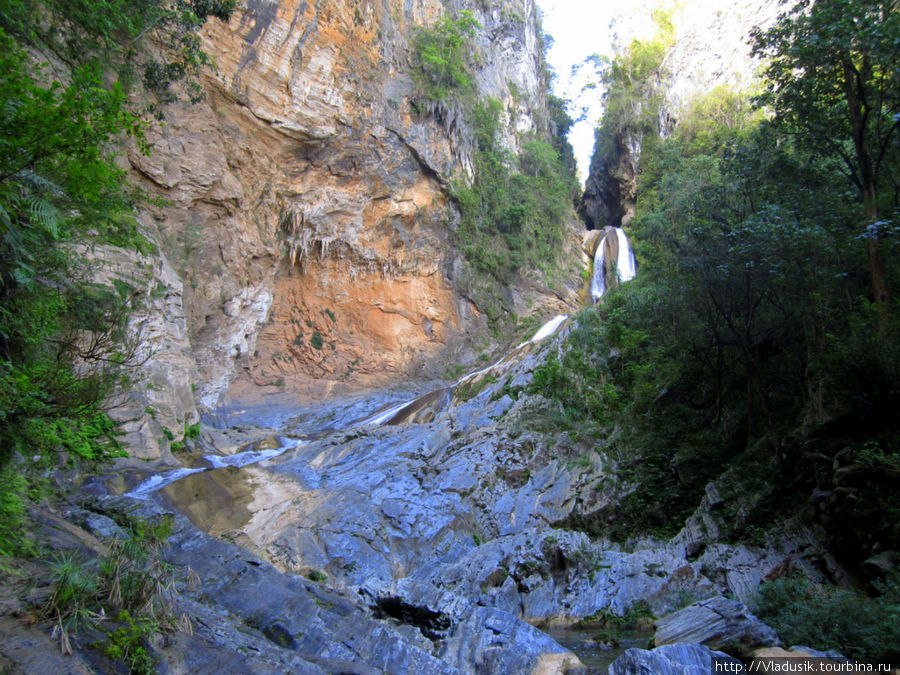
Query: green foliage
x=832 y=82
x=514 y=210
x=632 y=95
x=115 y=34
x=474 y=386
x=606 y=383
x=714 y=121
x=317 y=575
x=443 y=60
x=132 y=571
x=609 y=627
x=825 y=617
x=748 y=340
x=130 y=582
x=833 y=87
x=12 y=512
x=65 y=68
x=126 y=643
x=75 y=589
x=317 y=341
x=560 y=124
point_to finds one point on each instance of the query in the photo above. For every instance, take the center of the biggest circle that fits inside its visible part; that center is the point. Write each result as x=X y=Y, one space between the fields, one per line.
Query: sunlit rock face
x=307 y=216
x=711 y=49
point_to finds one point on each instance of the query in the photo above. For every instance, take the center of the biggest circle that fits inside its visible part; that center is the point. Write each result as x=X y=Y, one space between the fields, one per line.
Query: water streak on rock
x=438 y=399
x=239 y=459
x=159 y=481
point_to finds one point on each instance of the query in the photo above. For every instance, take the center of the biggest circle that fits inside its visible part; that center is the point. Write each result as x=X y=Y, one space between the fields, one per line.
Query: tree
x=116 y=35
x=834 y=83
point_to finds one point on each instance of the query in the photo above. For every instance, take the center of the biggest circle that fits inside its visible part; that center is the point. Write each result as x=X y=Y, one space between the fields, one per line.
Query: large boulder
x=718 y=623
x=677 y=659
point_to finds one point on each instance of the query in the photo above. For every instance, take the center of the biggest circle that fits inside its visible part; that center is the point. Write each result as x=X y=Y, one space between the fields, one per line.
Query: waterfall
x=620 y=249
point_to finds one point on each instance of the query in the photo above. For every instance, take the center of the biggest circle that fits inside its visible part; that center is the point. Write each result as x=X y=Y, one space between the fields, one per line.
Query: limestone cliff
x=710 y=48
x=306 y=235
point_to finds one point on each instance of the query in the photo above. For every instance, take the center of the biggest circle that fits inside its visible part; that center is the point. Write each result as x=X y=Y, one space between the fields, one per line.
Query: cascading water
x=626 y=266
x=239 y=459
x=393 y=414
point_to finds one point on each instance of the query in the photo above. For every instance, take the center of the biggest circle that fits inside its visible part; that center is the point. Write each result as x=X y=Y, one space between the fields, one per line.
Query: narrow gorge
x=372 y=387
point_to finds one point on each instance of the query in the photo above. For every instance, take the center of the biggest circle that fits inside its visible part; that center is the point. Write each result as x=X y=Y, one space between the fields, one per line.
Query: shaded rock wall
x=306 y=220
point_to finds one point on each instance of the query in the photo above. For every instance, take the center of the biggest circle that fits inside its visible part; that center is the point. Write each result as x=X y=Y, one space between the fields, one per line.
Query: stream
x=330 y=417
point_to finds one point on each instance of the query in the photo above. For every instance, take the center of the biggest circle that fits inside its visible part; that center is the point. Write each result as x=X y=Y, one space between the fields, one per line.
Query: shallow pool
x=597 y=658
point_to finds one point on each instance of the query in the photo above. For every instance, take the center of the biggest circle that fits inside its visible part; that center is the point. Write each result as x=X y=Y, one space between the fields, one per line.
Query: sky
x=579 y=28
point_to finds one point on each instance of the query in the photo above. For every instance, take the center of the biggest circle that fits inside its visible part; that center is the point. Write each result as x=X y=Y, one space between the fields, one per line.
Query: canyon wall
x=305 y=237
x=710 y=48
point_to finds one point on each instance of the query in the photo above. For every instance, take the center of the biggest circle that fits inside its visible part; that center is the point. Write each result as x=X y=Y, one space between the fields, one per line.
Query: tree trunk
x=854 y=92
x=881 y=293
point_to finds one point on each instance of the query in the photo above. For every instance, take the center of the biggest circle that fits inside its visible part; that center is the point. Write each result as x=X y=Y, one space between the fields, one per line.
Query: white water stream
x=550 y=328
x=159 y=481
x=383 y=416
x=239 y=459
x=546 y=330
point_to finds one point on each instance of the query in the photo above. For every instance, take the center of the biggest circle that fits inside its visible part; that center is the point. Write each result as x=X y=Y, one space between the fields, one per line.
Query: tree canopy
x=834 y=84
x=751 y=349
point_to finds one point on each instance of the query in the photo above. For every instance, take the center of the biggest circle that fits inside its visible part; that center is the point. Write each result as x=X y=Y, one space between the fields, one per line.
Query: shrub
x=12 y=512
x=442 y=59
x=130 y=581
x=609 y=627
x=513 y=212
x=825 y=617
x=126 y=643
x=317 y=575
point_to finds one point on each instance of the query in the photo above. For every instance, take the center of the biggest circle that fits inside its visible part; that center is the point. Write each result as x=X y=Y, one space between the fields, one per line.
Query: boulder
x=774 y=654
x=97 y=524
x=717 y=623
x=675 y=659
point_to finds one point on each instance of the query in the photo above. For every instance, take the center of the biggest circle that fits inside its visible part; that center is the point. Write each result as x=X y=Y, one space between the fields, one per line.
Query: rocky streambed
x=401 y=533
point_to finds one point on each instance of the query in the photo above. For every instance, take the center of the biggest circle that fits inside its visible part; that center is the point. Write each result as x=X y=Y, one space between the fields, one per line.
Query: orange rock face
x=307 y=212
x=325 y=327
